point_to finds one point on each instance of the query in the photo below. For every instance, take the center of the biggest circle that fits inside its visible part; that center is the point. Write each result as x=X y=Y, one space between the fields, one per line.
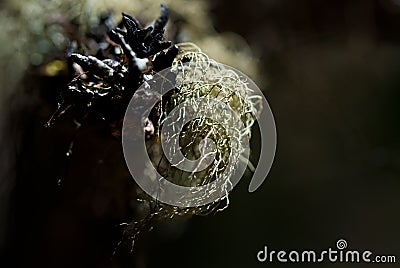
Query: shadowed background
x=330 y=70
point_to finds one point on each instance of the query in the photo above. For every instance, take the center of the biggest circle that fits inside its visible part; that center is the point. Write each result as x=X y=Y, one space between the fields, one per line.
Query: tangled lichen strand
x=208 y=80
x=200 y=79
x=203 y=79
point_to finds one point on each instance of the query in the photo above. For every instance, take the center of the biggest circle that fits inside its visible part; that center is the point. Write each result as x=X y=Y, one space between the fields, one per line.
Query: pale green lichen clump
x=201 y=79
x=216 y=83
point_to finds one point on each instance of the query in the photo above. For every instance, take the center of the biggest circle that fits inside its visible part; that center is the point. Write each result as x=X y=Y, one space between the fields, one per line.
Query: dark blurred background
x=331 y=73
